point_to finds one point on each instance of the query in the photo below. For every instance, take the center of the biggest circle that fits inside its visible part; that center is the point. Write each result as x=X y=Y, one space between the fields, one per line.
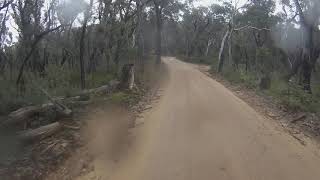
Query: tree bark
x=310 y=52
x=40 y=133
x=139 y=37
x=158 y=11
x=306 y=76
x=82 y=44
x=127 y=77
x=210 y=43
x=111 y=86
x=230 y=47
x=82 y=71
x=24 y=114
x=21 y=115
x=221 y=52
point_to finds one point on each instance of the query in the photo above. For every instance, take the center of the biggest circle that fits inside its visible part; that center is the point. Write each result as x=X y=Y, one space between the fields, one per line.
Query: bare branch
x=35 y=42
x=5 y=4
x=252 y=27
x=301 y=15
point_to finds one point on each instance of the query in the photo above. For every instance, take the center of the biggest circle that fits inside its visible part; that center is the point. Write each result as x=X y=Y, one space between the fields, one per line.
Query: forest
x=56 y=55
x=68 y=45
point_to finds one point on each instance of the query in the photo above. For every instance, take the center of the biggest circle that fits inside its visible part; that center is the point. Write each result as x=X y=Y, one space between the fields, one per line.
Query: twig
x=252 y=27
x=71 y=127
x=49 y=147
x=300 y=140
x=6 y=4
x=299 y=118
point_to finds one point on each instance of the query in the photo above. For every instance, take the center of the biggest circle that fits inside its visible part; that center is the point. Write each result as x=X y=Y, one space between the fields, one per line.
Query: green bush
x=120 y=97
x=249 y=79
x=197 y=60
x=11 y=99
x=293 y=96
x=99 y=78
x=241 y=77
x=58 y=81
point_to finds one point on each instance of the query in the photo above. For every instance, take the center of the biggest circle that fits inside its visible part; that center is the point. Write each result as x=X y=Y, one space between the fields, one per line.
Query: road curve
x=201 y=131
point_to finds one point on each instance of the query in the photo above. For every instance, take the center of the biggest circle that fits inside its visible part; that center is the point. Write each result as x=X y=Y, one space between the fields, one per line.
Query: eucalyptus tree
x=196 y=22
x=255 y=17
x=4 y=15
x=309 y=21
x=28 y=17
x=4 y=31
x=258 y=19
x=162 y=8
x=87 y=15
x=230 y=10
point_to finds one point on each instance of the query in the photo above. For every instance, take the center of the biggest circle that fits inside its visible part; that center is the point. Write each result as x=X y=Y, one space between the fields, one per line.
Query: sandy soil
x=199 y=130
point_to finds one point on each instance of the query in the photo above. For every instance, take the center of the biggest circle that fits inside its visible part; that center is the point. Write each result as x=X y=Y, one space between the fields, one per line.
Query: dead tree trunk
x=21 y=115
x=25 y=114
x=221 y=52
x=40 y=133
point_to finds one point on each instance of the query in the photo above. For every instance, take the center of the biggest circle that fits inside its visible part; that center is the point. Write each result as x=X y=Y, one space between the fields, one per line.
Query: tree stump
x=265 y=83
x=127 y=77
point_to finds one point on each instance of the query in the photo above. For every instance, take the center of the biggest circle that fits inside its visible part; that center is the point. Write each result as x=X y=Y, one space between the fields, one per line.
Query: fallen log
x=21 y=115
x=78 y=103
x=40 y=133
x=26 y=113
x=61 y=107
x=71 y=127
x=111 y=86
x=96 y=90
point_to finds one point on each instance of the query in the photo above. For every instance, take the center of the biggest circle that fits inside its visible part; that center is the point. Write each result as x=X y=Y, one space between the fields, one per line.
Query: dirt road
x=201 y=131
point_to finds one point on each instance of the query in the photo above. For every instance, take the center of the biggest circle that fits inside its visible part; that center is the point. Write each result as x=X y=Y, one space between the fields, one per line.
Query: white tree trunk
x=222 y=50
x=131 y=79
x=211 y=42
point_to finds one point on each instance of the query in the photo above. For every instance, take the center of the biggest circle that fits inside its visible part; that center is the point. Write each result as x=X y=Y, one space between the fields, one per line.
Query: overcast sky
x=241 y=2
x=205 y=2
